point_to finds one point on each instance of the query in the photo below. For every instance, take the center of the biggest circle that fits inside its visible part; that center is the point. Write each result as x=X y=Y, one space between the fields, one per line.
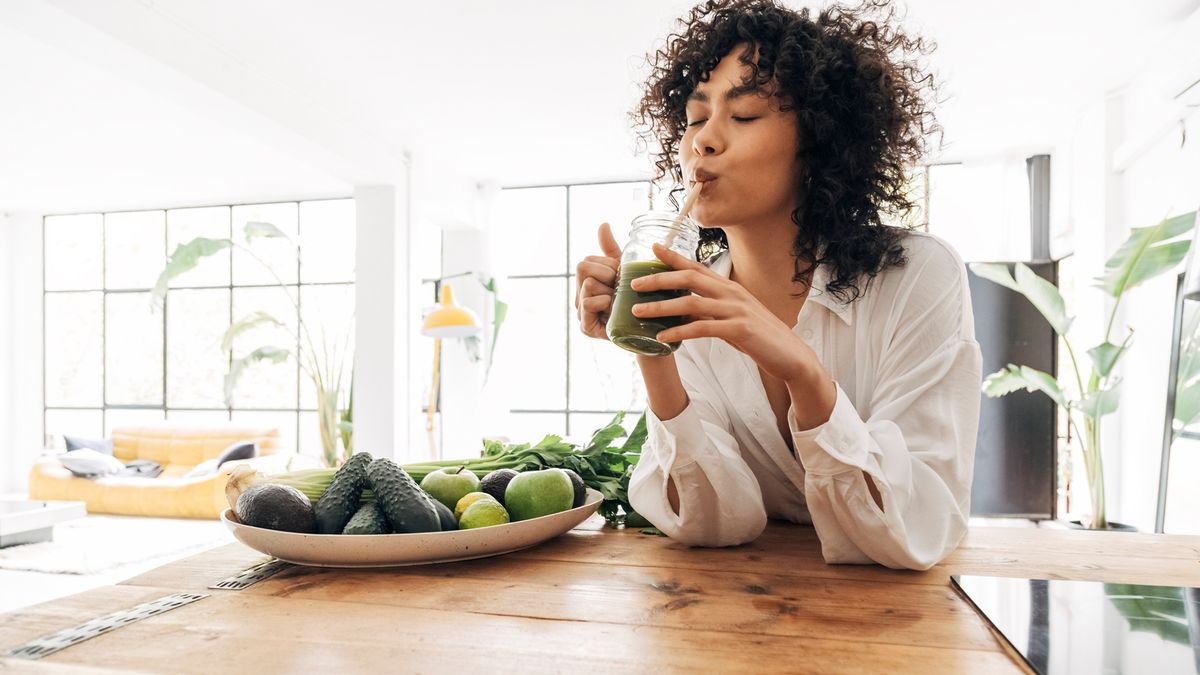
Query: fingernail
x=636 y=309
x=636 y=283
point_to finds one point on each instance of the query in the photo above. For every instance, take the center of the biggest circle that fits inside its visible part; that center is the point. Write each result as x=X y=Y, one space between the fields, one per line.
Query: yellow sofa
x=170 y=495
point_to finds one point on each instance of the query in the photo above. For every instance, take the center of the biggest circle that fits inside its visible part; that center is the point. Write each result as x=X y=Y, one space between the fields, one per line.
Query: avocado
x=340 y=500
x=580 y=488
x=445 y=516
x=276 y=507
x=369 y=519
x=496 y=482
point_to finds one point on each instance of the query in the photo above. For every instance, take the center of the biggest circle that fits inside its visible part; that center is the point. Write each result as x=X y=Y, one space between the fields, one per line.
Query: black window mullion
x=296 y=410
x=166 y=308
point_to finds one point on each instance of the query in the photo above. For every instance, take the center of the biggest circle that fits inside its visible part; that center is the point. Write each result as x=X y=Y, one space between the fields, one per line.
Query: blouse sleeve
x=720 y=502
x=914 y=436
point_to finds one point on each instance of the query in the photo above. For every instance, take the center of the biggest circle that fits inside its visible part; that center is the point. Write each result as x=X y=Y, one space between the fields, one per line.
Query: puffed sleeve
x=914 y=434
x=720 y=502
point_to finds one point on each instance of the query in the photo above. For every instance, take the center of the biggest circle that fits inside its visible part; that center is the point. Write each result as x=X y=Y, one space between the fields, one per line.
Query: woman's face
x=742 y=146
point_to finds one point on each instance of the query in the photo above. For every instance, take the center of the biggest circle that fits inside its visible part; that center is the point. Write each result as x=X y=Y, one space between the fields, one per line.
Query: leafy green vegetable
x=603 y=465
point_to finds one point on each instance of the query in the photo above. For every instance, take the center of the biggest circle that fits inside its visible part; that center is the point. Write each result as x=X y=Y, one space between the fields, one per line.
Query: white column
x=383 y=324
x=20 y=347
x=7 y=324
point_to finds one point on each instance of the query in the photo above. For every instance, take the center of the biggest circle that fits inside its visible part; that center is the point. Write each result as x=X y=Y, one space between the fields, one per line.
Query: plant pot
x=1112 y=526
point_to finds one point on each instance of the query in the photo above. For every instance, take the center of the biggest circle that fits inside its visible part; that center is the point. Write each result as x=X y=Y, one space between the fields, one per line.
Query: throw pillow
x=239 y=450
x=88 y=463
x=98 y=444
x=143 y=468
x=206 y=468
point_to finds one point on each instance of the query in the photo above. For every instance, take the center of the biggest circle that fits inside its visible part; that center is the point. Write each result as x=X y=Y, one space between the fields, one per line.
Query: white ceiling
x=512 y=91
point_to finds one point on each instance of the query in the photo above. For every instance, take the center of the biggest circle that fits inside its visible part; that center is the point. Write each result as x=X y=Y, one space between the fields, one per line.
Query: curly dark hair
x=862 y=102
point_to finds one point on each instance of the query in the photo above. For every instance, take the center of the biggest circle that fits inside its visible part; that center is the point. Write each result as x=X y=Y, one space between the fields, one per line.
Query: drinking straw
x=688 y=203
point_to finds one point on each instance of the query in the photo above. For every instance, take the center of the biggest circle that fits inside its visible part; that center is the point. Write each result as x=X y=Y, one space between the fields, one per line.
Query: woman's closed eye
x=738 y=118
x=693 y=123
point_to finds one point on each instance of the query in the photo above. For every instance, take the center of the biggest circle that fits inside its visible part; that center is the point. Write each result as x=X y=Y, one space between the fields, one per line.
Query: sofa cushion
x=206 y=468
x=88 y=463
x=180 y=448
x=239 y=450
x=143 y=468
x=103 y=445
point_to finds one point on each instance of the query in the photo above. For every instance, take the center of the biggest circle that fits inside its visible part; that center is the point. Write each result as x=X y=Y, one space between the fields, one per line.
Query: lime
x=467 y=500
x=483 y=513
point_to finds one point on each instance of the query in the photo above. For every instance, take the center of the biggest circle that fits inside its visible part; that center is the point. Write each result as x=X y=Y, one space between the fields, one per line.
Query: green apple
x=483 y=513
x=532 y=494
x=450 y=484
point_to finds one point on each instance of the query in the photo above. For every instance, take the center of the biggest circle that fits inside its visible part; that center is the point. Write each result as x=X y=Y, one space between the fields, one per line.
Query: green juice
x=634 y=333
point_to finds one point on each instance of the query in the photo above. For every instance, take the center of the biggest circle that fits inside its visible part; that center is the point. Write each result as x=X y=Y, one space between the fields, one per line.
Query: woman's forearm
x=667 y=399
x=664 y=390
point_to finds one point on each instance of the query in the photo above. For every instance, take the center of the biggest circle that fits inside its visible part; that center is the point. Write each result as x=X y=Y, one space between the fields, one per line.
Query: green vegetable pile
x=605 y=463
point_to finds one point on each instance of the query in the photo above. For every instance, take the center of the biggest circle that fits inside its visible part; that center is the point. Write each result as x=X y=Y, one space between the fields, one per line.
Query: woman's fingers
x=715 y=328
x=691 y=305
x=596 y=304
x=677 y=261
x=598 y=267
x=608 y=243
x=708 y=285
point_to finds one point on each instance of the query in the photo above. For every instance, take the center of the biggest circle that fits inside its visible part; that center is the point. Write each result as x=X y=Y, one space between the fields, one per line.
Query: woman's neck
x=763 y=263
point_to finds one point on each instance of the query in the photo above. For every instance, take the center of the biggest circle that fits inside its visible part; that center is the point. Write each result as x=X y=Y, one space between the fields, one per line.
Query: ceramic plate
x=390 y=550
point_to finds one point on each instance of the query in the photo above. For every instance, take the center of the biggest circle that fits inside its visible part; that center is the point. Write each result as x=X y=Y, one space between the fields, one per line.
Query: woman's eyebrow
x=729 y=95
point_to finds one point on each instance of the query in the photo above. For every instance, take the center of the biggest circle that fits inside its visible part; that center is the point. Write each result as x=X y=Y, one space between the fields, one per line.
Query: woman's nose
x=707 y=141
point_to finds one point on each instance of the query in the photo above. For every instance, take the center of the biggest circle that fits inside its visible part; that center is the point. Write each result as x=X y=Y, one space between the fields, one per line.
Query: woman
x=828 y=372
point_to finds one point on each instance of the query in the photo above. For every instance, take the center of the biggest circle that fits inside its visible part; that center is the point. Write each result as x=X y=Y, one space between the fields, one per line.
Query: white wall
x=450 y=221
x=6 y=354
x=21 y=433
x=1123 y=167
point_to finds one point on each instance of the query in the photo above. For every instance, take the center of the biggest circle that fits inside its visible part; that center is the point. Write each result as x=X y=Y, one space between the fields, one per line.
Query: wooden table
x=595 y=600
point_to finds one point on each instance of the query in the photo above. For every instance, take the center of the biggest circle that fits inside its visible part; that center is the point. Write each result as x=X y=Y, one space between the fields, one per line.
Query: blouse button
x=807 y=334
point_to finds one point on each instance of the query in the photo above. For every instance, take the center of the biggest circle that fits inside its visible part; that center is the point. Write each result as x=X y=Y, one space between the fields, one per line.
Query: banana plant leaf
x=268 y=354
x=1152 y=609
x=245 y=324
x=1187 y=378
x=1146 y=254
x=1012 y=378
x=185 y=257
x=1041 y=293
x=256 y=229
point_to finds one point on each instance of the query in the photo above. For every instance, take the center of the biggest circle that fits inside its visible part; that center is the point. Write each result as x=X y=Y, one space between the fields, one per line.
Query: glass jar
x=637 y=334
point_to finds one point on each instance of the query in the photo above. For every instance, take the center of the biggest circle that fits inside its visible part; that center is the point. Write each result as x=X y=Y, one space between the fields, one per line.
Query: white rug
x=96 y=544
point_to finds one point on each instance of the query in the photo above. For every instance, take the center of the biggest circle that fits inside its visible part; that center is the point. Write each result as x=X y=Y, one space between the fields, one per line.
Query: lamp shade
x=448 y=319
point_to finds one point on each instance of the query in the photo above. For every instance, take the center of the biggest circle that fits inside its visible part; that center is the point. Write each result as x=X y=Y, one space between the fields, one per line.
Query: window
x=111 y=360
x=557 y=380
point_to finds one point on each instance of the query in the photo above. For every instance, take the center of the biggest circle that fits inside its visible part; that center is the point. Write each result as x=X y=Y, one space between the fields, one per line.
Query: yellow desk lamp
x=447 y=320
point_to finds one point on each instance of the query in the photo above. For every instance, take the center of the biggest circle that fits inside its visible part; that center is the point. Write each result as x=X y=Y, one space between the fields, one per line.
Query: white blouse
x=907 y=369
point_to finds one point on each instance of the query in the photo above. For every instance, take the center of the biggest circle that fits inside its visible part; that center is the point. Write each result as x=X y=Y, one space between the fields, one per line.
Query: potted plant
x=1147 y=253
x=325 y=366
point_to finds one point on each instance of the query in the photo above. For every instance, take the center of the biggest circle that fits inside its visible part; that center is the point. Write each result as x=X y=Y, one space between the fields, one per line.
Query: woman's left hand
x=721 y=308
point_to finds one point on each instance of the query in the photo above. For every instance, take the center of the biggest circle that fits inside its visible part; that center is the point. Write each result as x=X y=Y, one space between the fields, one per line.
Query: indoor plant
x=1147 y=253
x=325 y=366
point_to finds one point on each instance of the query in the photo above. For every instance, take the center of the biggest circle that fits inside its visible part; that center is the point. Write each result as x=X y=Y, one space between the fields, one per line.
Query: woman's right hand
x=595 y=285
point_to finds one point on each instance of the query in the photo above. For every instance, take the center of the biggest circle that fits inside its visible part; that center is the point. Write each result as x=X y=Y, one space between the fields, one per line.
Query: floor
x=20 y=589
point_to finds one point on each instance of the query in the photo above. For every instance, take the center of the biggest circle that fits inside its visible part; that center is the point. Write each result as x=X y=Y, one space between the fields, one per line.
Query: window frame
x=295 y=409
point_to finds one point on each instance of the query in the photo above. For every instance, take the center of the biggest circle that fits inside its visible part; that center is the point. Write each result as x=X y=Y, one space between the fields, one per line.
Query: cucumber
x=340 y=501
x=368 y=520
x=407 y=507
